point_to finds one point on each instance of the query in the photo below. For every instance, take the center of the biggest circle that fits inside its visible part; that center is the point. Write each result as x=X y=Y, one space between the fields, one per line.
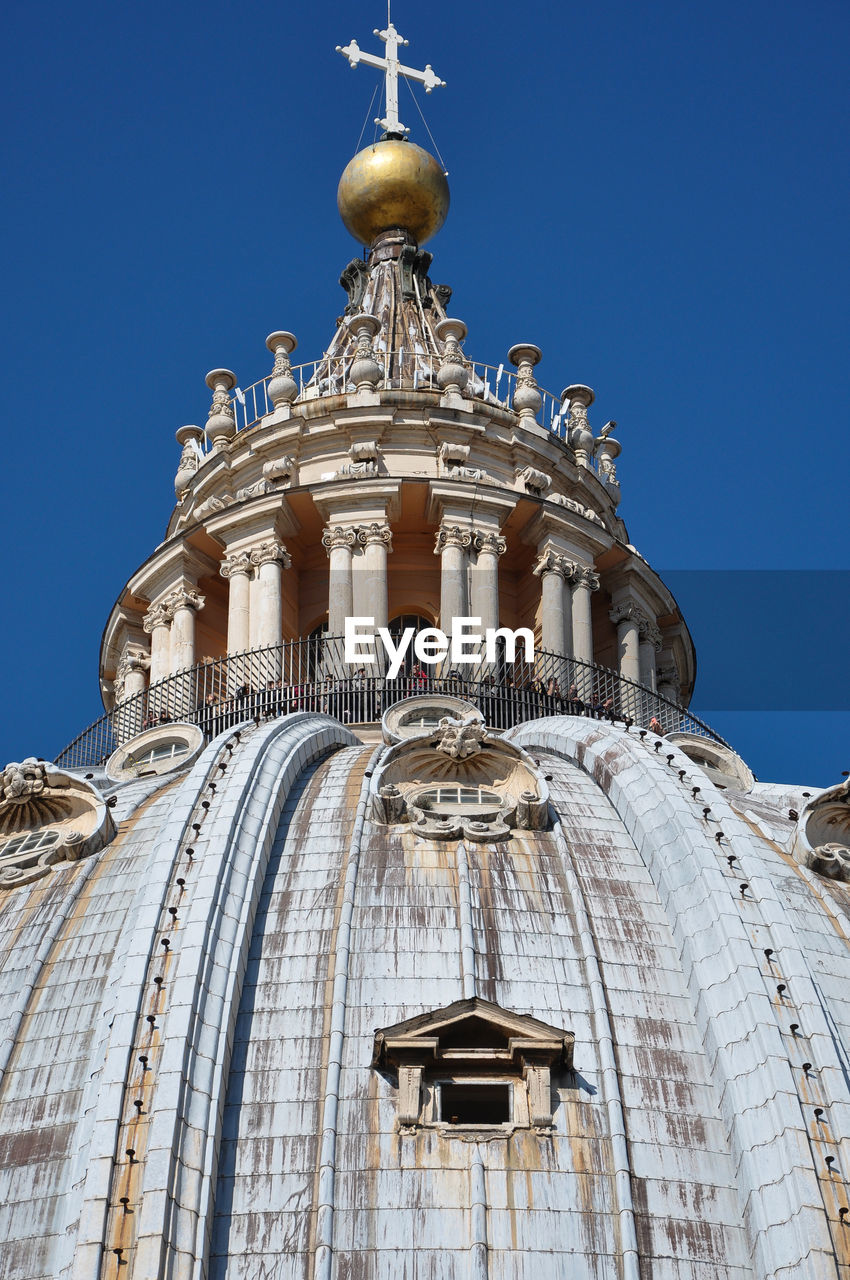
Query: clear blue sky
x=656 y=194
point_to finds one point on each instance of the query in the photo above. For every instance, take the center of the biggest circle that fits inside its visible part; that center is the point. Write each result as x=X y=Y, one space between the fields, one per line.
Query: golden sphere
x=393 y=184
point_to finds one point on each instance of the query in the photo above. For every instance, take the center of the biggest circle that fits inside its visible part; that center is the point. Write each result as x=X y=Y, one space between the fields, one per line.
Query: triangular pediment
x=473 y=1026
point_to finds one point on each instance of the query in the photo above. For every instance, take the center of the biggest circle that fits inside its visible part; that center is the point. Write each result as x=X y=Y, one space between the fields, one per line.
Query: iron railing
x=402 y=370
x=311 y=675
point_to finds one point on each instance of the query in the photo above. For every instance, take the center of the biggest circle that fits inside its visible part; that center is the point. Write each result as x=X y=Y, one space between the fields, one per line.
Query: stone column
x=339 y=542
x=584 y=582
x=627 y=618
x=157 y=623
x=184 y=603
x=129 y=690
x=237 y=568
x=376 y=540
x=269 y=560
x=553 y=570
x=669 y=688
x=484 y=602
x=452 y=546
x=650 y=644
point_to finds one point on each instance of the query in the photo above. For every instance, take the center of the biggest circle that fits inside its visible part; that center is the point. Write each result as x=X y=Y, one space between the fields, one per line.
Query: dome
x=393 y=184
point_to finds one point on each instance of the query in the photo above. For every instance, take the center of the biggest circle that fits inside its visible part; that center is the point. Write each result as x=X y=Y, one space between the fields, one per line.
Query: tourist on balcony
x=575 y=706
x=655 y=727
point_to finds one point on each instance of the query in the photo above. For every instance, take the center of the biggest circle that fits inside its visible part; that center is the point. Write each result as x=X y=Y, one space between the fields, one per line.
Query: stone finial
x=282 y=387
x=365 y=371
x=452 y=375
x=221 y=424
x=579 y=434
x=190 y=459
x=527 y=397
x=606 y=451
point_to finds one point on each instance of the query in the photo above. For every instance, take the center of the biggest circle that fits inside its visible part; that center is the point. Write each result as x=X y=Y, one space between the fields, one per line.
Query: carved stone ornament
x=452 y=375
x=158 y=615
x=184 y=598
x=365 y=459
x=628 y=611
x=47 y=817
x=579 y=508
x=221 y=423
x=339 y=536
x=527 y=398
x=821 y=838
x=490 y=543
x=535 y=481
x=236 y=562
x=278 y=472
x=583 y=576
x=451 y=452
x=211 y=505
x=452 y=535
x=460 y=738
x=191 y=458
x=282 y=387
x=375 y=532
x=550 y=562
x=133 y=659
x=365 y=372
x=271 y=552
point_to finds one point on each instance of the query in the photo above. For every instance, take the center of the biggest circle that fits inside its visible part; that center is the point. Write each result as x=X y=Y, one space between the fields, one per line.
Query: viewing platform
x=311 y=675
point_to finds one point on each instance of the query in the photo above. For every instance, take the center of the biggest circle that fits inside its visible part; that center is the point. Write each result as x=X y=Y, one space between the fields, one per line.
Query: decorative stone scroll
x=236 y=562
x=821 y=838
x=536 y=482
x=365 y=459
x=47 y=817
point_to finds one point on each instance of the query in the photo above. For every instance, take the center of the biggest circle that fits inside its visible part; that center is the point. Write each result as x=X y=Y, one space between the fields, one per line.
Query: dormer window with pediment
x=473 y=1067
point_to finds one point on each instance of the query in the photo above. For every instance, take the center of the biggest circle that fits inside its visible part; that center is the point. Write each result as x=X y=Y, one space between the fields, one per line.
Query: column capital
x=338 y=535
x=583 y=576
x=550 y=562
x=628 y=611
x=236 y=562
x=376 y=531
x=271 y=552
x=487 y=540
x=184 y=598
x=158 y=615
x=134 y=658
x=452 y=535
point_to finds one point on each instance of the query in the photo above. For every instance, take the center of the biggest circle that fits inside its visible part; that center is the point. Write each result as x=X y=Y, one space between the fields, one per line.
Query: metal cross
x=393 y=68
